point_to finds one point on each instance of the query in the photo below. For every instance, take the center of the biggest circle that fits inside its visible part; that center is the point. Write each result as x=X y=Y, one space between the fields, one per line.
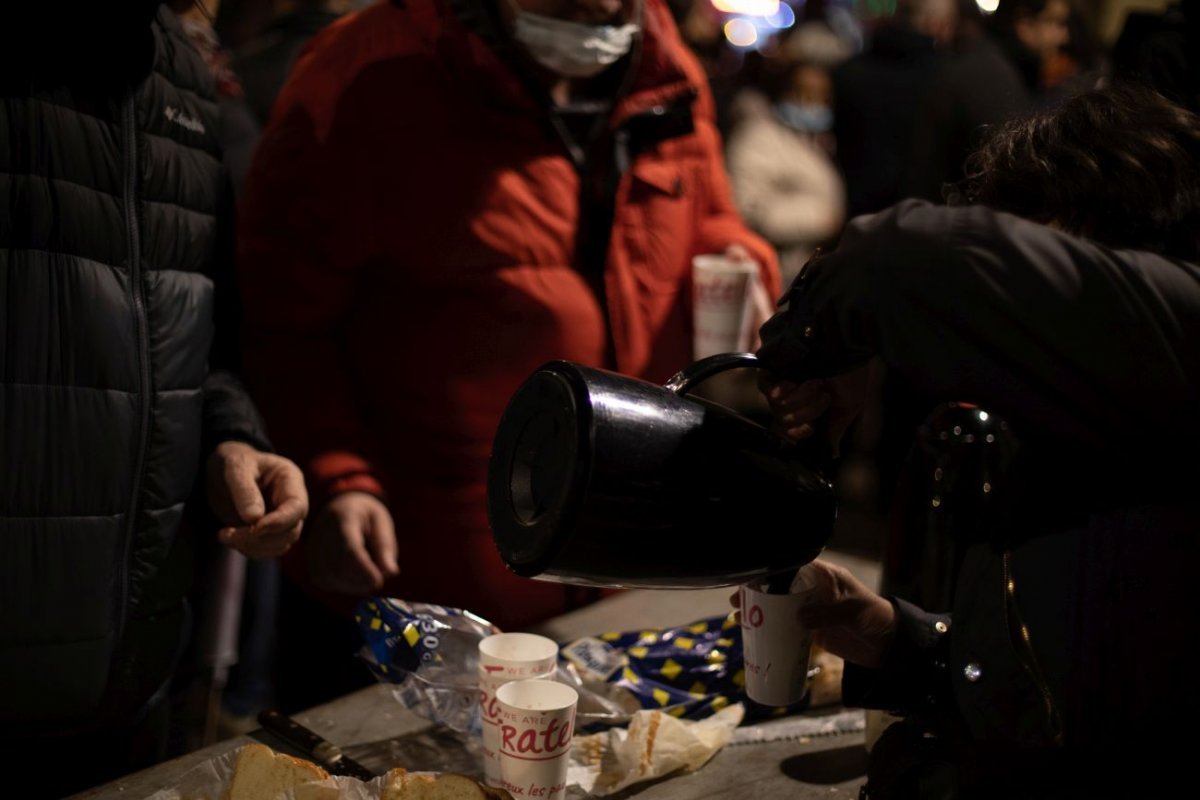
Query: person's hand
x=796 y=408
x=846 y=618
x=351 y=545
x=259 y=497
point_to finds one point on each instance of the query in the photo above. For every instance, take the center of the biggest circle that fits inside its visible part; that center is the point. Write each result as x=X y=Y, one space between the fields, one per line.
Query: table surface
x=374 y=729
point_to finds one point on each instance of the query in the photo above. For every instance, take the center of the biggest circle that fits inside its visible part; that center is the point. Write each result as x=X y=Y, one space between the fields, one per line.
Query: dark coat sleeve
x=229 y=413
x=1069 y=340
x=914 y=674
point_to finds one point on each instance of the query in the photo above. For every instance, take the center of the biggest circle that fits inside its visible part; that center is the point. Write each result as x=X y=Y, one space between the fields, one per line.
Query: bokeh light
x=741 y=32
x=750 y=8
x=784 y=17
x=988 y=6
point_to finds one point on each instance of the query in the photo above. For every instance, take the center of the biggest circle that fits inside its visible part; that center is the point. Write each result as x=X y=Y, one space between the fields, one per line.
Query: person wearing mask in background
x=784 y=180
x=116 y=395
x=1067 y=302
x=449 y=195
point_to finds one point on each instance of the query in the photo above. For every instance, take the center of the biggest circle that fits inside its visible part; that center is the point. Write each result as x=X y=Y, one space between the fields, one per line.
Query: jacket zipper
x=1029 y=658
x=129 y=134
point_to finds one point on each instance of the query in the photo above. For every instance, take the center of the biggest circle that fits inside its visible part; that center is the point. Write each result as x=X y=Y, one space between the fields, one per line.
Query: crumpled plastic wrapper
x=655 y=745
x=209 y=780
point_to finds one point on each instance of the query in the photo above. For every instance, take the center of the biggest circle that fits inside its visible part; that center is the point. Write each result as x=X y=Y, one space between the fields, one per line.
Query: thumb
x=244 y=494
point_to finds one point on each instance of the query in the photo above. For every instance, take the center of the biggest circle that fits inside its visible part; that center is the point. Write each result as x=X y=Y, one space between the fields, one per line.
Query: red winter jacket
x=407 y=244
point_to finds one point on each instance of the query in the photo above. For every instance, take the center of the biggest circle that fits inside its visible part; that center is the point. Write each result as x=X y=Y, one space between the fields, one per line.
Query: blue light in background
x=783 y=18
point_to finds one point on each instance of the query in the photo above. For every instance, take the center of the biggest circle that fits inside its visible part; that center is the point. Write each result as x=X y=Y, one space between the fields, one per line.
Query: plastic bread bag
x=429 y=654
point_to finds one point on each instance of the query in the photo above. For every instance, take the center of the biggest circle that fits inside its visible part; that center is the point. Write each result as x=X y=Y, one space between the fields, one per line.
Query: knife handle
x=299 y=736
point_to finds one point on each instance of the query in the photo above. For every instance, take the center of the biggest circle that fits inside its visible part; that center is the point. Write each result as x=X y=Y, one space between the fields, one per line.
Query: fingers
x=241 y=480
x=285 y=484
x=275 y=533
x=349 y=569
x=251 y=476
x=284 y=517
x=352 y=547
x=252 y=543
x=359 y=570
x=381 y=541
x=737 y=252
x=797 y=407
x=786 y=396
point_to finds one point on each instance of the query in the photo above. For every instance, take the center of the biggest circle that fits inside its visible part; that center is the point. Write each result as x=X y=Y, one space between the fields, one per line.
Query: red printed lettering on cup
x=490 y=706
x=543 y=738
x=720 y=293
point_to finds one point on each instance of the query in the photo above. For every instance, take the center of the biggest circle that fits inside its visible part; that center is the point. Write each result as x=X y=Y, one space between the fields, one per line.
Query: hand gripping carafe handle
x=814 y=451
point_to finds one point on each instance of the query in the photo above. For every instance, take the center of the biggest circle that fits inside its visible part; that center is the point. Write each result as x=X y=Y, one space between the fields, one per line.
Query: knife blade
x=319 y=749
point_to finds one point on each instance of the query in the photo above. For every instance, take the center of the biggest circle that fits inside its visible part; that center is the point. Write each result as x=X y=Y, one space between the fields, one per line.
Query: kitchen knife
x=324 y=752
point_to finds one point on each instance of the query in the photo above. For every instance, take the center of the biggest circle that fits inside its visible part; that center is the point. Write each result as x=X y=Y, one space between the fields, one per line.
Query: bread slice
x=402 y=785
x=260 y=774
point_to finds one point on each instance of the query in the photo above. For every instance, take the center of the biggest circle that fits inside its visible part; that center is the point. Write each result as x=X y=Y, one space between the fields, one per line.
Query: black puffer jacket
x=111 y=190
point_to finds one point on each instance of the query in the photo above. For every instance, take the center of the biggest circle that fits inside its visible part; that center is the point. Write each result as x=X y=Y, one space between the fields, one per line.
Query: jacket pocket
x=659 y=224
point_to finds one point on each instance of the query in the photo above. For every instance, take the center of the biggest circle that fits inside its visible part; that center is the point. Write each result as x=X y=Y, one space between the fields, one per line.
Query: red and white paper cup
x=506 y=657
x=537 y=722
x=722 y=304
x=775 y=646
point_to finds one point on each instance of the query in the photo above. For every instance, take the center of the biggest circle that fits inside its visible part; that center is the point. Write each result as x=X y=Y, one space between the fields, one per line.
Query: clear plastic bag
x=430 y=656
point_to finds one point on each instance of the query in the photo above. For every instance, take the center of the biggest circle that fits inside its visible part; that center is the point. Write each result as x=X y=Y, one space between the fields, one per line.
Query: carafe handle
x=815 y=451
x=687 y=378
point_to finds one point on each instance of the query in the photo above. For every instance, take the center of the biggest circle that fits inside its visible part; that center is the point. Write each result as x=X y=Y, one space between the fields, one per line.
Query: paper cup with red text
x=775 y=646
x=537 y=721
x=506 y=657
x=722 y=303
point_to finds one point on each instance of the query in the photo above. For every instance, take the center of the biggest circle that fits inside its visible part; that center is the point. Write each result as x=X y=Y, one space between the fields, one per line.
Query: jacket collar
x=471 y=43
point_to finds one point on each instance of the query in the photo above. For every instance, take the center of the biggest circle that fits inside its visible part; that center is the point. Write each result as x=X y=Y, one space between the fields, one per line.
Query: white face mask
x=571 y=49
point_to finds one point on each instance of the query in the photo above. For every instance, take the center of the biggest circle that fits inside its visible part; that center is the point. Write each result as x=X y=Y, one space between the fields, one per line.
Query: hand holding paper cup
x=775 y=645
x=537 y=721
x=506 y=657
x=722 y=304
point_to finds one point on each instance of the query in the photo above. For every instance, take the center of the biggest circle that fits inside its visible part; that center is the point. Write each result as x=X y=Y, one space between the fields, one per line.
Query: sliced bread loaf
x=260 y=774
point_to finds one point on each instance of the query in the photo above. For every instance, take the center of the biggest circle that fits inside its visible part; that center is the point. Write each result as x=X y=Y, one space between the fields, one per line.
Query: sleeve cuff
x=335 y=473
x=914 y=672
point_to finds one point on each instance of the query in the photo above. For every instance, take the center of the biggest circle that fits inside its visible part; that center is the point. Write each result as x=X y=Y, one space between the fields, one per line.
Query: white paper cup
x=507 y=657
x=775 y=647
x=537 y=721
x=722 y=303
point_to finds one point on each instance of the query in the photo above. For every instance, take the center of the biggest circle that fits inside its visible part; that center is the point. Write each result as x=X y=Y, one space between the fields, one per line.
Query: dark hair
x=1118 y=165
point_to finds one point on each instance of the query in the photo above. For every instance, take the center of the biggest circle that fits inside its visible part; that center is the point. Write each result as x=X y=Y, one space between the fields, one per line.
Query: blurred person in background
x=1162 y=51
x=784 y=180
x=239 y=130
x=1033 y=34
x=450 y=194
x=974 y=89
x=263 y=60
x=877 y=96
x=118 y=399
x=1067 y=301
